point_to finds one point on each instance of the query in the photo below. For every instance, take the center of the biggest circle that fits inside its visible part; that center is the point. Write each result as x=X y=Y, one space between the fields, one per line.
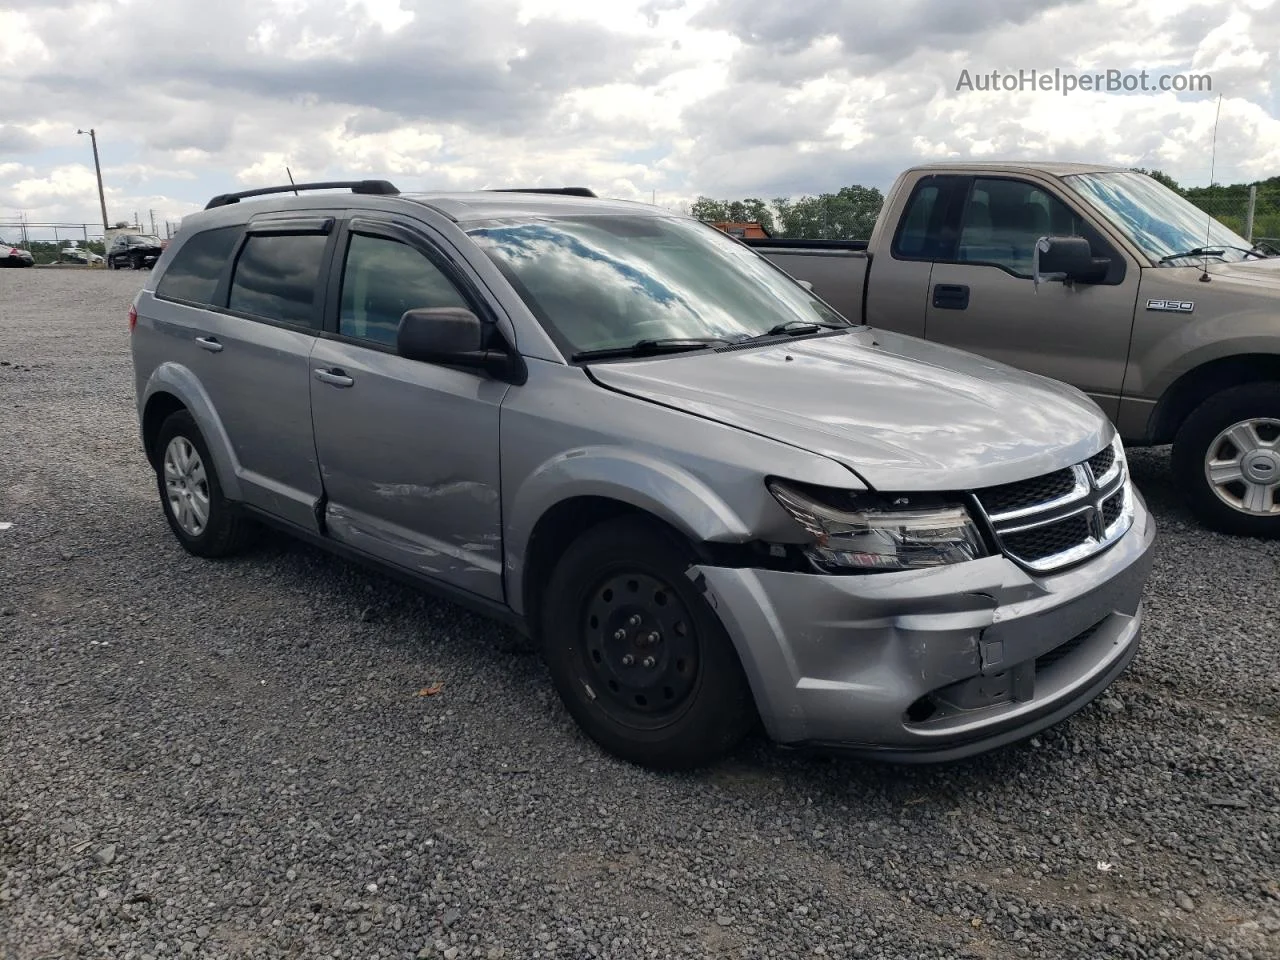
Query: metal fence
x=1254 y=216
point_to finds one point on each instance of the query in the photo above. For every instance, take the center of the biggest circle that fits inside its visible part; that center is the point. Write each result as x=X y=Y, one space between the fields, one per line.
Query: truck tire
x=638 y=656
x=205 y=522
x=1226 y=457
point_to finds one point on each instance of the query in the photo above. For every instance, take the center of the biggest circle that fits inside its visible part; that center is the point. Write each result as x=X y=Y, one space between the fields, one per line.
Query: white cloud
x=681 y=97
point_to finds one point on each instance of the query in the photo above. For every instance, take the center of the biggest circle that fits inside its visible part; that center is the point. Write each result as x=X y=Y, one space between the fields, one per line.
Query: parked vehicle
x=706 y=494
x=12 y=255
x=1169 y=320
x=133 y=250
x=74 y=254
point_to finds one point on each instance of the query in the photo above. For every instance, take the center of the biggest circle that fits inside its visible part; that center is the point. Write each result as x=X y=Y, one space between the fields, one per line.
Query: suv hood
x=903 y=414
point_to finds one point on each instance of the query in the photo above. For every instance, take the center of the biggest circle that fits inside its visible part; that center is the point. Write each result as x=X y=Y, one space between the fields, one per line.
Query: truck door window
x=1003 y=220
x=381 y=280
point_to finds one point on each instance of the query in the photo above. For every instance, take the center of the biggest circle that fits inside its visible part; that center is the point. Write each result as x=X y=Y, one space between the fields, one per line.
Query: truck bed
x=836 y=268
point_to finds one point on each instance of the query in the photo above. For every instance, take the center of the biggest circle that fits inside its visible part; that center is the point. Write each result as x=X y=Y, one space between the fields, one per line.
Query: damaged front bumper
x=936 y=664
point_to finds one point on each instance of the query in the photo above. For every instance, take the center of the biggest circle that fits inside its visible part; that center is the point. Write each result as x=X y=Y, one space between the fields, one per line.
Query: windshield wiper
x=796 y=328
x=649 y=348
x=1216 y=250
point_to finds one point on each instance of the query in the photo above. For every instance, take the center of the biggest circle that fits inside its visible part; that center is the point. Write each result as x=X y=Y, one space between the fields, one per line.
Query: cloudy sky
x=676 y=98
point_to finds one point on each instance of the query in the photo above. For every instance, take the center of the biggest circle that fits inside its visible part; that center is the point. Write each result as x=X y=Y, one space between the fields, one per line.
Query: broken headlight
x=858 y=532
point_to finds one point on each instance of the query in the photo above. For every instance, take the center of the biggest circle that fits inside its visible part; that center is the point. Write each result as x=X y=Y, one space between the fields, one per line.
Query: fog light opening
x=921 y=710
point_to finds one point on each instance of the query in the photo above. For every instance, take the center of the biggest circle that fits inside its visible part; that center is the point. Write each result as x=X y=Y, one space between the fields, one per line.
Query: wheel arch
x=1200 y=383
x=172 y=387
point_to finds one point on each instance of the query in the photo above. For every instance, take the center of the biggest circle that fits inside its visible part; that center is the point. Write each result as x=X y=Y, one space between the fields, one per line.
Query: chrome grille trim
x=1088 y=494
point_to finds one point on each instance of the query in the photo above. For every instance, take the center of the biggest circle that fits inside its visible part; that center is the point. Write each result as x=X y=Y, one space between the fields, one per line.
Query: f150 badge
x=1172 y=306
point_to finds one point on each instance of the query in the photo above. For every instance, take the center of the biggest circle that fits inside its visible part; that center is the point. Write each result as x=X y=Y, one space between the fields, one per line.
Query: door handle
x=209 y=343
x=334 y=377
x=951 y=296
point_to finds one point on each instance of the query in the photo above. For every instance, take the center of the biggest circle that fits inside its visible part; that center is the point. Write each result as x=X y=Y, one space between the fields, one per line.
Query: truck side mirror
x=1069 y=259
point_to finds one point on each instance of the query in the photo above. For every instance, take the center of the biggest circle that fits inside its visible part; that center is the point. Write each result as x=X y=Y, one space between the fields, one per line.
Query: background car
x=83 y=255
x=13 y=256
x=134 y=250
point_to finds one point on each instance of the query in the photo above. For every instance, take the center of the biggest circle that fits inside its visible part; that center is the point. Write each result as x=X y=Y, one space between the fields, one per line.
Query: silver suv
x=711 y=498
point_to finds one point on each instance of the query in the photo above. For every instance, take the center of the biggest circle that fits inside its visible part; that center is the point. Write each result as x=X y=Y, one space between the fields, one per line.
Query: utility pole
x=1248 y=215
x=97 y=166
x=153 y=222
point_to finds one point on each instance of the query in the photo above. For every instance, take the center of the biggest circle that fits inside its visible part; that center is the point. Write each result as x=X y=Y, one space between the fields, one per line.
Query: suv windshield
x=1156 y=219
x=602 y=282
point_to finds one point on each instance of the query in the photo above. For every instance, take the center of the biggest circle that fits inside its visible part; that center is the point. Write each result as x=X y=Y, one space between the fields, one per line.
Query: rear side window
x=193 y=275
x=927 y=229
x=276 y=277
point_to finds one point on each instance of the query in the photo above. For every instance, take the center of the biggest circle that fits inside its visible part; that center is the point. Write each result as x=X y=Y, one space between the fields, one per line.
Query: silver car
x=712 y=499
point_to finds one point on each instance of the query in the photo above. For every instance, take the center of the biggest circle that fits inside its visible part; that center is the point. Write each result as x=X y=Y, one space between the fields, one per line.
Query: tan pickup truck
x=1096 y=276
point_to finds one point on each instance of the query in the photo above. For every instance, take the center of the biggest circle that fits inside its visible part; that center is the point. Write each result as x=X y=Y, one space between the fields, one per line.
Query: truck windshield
x=1156 y=219
x=604 y=282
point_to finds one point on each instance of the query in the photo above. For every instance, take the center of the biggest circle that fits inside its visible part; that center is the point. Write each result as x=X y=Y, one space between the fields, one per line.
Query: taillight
x=133 y=318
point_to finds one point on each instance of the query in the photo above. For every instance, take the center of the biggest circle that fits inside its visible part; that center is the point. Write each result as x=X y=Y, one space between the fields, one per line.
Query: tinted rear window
x=193 y=274
x=277 y=275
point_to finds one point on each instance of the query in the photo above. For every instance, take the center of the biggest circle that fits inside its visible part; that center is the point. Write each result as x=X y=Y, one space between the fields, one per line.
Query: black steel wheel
x=640 y=659
x=639 y=649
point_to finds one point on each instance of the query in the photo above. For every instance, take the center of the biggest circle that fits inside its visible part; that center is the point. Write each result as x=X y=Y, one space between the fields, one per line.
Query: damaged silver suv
x=712 y=499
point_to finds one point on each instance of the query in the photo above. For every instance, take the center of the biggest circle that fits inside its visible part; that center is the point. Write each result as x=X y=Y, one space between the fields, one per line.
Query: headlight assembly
x=864 y=533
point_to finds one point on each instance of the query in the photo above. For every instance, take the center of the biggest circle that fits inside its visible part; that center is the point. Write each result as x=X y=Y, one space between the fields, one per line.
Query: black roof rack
x=382 y=188
x=563 y=191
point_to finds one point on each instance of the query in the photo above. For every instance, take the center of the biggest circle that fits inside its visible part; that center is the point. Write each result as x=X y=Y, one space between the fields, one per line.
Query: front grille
x=1052 y=521
x=1100 y=463
x=1112 y=508
x=1039 y=543
x=1009 y=497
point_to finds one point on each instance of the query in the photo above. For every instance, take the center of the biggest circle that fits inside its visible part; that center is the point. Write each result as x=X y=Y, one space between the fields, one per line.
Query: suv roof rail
x=563 y=191
x=384 y=188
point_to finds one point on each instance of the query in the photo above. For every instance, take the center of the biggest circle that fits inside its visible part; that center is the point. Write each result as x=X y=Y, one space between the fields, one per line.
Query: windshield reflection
x=1155 y=218
x=598 y=282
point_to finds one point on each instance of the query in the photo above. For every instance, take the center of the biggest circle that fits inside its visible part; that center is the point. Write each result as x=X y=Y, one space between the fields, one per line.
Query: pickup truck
x=1097 y=276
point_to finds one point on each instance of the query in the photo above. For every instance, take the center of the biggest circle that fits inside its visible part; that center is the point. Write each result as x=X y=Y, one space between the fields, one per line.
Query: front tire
x=639 y=658
x=1226 y=457
x=205 y=522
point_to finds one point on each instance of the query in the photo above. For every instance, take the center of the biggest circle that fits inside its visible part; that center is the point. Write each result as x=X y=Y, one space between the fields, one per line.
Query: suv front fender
x=627 y=476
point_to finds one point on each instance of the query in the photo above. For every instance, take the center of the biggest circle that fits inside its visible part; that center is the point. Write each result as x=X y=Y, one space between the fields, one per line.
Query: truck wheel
x=205 y=522
x=1227 y=458
x=639 y=658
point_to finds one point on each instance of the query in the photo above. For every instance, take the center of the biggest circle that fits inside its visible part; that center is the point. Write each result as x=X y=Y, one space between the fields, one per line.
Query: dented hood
x=905 y=415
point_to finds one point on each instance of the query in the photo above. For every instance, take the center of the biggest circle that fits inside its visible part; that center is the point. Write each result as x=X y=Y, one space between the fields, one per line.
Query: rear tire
x=1234 y=438
x=621 y=591
x=205 y=522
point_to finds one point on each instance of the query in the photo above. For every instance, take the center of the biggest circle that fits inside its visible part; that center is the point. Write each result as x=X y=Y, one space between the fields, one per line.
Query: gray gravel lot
x=232 y=759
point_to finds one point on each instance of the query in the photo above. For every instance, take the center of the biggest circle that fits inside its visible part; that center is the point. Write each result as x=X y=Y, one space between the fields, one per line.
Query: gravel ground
x=232 y=759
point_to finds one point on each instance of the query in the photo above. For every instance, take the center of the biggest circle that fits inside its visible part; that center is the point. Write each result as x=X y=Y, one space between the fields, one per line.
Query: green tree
x=1160 y=177
x=751 y=210
x=848 y=214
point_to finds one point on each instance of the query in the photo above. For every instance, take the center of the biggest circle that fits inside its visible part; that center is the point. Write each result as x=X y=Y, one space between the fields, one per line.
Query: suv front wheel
x=205 y=522
x=638 y=656
x=1226 y=457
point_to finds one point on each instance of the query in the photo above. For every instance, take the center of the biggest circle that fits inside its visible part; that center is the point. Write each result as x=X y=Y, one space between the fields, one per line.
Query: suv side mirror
x=1068 y=258
x=454 y=336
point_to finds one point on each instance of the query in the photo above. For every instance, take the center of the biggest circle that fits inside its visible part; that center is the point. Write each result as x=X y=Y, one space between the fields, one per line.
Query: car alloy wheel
x=1242 y=465
x=186 y=486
